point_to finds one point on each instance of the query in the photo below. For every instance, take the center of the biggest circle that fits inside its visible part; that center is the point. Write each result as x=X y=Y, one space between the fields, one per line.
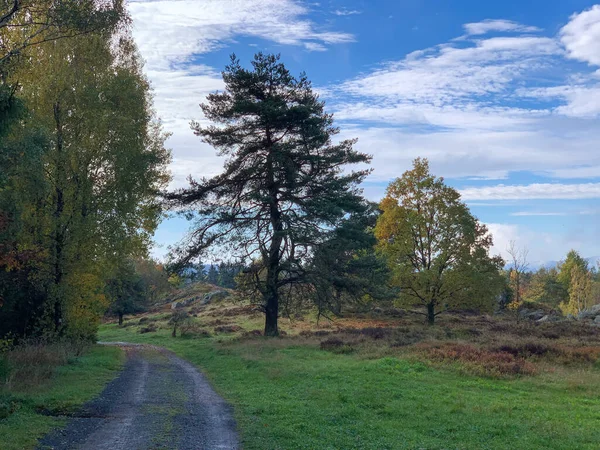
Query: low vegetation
x=42 y=385
x=376 y=381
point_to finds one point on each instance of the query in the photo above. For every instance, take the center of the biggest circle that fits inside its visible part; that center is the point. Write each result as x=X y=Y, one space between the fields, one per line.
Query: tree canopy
x=436 y=249
x=284 y=183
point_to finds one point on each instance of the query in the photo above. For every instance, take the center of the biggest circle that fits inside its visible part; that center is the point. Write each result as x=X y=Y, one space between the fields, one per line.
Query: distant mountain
x=536 y=265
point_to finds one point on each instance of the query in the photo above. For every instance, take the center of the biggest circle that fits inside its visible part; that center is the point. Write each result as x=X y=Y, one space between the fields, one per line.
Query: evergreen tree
x=284 y=183
x=345 y=268
x=212 y=276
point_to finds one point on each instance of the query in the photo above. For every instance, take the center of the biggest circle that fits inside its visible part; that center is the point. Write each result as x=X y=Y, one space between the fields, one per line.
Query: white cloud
x=537 y=213
x=542 y=246
x=477 y=108
x=346 y=12
x=532 y=191
x=585 y=212
x=546 y=148
x=489 y=25
x=172 y=31
x=449 y=73
x=581 y=36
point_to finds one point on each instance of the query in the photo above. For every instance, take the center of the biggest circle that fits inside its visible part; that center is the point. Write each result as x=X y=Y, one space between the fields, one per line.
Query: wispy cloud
x=489 y=25
x=172 y=31
x=482 y=106
x=532 y=191
x=171 y=34
x=537 y=213
x=346 y=12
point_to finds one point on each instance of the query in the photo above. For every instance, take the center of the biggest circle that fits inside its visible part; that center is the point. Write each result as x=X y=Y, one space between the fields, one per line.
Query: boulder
x=213 y=296
x=183 y=303
x=597 y=320
x=550 y=318
x=589 y=314
x=532 y=314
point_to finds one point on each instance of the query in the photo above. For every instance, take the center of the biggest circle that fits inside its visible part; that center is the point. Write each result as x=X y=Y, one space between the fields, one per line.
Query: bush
x=150 y=328
x=336 y=345
x=33 y=363
x=191 y=329
x=228 y=329
x=481 y=361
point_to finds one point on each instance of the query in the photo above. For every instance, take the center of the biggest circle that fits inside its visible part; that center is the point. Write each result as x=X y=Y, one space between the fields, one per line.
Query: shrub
x=336 y=345
x=481 y=361
x=150 y=328
x=192 y=329
x=33 y=363
x=228 y=329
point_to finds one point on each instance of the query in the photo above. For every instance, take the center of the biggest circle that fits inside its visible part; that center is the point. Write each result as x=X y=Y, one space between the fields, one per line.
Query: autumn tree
x=28 y=23
x=518 y=266
x=565 y=268
x=545 y=288
x=100 y=150
x=285 y=181
x=437 y=251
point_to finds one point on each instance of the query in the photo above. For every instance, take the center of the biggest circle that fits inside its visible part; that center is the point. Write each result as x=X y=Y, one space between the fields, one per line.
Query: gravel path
x=159 y=401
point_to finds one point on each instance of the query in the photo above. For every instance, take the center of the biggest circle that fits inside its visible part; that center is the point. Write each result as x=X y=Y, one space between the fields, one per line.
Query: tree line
x=290 y=206
x=570 y=287
x=83 y=185
x=82 y=159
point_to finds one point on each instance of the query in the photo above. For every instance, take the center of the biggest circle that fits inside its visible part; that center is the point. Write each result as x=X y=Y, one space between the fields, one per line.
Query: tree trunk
x=120 y=319
x=174 y=333
x=271 y=295
x=271 y=314
x=59 y=235
x=430 y=313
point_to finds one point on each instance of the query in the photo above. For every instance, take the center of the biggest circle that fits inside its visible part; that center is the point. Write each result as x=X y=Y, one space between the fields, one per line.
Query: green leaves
x=437 y=251
x=89 y=160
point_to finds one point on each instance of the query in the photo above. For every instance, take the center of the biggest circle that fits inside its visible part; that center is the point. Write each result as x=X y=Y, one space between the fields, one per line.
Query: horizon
x=503 y=102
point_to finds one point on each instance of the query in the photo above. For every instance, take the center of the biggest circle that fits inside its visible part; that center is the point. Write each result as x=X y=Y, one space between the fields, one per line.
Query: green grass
x=71 y=386
x=289 y=394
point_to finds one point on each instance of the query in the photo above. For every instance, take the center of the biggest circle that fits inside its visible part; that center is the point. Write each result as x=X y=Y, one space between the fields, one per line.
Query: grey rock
x=183 y=303
x=550 y=318
x=532 y=314
x=213 y=296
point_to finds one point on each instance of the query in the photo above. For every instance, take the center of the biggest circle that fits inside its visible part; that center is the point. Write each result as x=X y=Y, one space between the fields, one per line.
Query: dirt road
x=159 y=401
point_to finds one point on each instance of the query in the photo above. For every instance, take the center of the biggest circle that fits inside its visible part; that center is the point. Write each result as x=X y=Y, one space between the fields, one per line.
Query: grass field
x=369 y=393
x=29 y=411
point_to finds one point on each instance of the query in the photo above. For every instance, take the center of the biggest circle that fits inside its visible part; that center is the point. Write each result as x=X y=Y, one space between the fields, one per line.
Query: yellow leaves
x=84 y=303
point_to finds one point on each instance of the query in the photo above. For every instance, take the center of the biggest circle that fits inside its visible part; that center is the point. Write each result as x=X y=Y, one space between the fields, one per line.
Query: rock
x=214 y=295
x=597 y=320
x=532 y=314
x=550 y=318
x=183 y=303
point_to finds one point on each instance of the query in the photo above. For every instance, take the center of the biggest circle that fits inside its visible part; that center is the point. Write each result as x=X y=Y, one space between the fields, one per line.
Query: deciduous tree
x=436 y=249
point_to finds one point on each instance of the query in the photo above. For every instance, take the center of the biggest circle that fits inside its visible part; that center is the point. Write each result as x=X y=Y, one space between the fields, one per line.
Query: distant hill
x=536 y=265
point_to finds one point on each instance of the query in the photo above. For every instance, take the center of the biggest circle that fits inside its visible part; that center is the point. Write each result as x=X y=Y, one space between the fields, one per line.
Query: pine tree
x=284 y=183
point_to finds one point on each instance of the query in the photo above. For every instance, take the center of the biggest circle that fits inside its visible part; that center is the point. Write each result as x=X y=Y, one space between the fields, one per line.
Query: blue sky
x=502 y=97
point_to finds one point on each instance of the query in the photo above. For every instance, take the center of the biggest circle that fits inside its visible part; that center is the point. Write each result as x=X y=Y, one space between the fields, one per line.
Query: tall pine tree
x=285 y=181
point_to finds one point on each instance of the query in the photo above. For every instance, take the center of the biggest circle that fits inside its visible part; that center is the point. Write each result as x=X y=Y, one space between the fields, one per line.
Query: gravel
x=159 y=401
